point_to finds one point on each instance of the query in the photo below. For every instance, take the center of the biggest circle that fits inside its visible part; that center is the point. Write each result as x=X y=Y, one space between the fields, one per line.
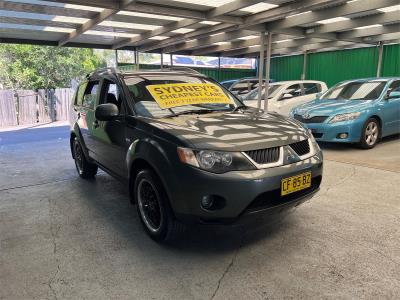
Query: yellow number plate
x=295 y=183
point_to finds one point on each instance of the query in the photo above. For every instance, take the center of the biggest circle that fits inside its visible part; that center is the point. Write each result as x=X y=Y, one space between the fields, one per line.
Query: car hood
x=322 y=107
x=238 y=131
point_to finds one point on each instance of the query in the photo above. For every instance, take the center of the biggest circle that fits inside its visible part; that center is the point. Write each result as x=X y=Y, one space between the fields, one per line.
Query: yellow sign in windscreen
x=181 y=94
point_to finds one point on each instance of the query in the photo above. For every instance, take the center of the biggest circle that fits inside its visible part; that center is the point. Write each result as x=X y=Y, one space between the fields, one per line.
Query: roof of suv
x=169 y=71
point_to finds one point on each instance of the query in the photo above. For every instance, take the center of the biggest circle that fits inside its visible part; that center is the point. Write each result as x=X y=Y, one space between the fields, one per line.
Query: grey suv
x=189 y=150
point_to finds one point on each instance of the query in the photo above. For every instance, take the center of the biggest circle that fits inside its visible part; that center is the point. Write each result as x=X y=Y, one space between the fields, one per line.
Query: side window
x=80 y=92
x=110 y=93
x=89 y=97
x=311 y=88
x=395 y=86
x=294 y=90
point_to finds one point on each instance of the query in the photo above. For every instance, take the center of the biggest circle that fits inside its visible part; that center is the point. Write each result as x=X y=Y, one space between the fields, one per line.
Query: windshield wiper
x=194 y=111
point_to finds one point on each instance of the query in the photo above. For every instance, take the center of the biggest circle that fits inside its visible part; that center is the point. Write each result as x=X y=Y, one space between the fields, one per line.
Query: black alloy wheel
x=85 y=169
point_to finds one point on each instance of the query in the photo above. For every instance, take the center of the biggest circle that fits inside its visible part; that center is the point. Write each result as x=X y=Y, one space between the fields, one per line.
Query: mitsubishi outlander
x=189 y=150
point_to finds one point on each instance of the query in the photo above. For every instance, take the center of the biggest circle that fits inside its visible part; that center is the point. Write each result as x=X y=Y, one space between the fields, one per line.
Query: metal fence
x=25 y=107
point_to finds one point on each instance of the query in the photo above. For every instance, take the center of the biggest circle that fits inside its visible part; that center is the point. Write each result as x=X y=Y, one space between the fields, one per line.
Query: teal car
x=356 y=111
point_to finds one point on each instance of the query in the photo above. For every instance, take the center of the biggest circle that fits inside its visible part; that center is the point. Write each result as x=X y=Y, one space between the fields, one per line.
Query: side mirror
x=392 y=95
x=106 y=112
x=287 y=96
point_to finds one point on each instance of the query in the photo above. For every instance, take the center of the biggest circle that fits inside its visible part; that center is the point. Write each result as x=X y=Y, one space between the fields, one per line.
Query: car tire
x=153 y=208
x=84 y=168
x=370 y=134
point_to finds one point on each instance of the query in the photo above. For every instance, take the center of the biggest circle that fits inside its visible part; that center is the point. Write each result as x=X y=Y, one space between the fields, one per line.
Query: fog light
x=207 y=202
x=343 y=135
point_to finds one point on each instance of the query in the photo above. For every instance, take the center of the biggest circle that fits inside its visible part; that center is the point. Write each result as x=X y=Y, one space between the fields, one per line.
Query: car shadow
x=110 y=198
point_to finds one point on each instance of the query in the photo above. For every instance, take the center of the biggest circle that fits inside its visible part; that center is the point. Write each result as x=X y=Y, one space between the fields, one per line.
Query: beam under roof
x=283 y=45
x=98 y=18
x=44 y=9
x=370 y=31
x=53 y=21
x=290 y=25
x=363 y=32
x=343 y=9
x=380 y=18
x=209 y=15
x=221 y=37
x=250 y=21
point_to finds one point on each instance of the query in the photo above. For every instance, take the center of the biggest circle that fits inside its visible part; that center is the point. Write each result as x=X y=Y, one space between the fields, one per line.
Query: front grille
x=264 y=156
x=301 y=148
x=316 y=119
x=274 y=198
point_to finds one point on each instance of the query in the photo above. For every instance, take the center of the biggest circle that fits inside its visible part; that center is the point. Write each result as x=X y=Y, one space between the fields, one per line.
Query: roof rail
x=101 y=70
x=183 y=69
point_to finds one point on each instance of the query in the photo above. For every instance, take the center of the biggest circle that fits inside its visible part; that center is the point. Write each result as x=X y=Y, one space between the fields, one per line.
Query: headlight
x=215 y=161
x=345 y=117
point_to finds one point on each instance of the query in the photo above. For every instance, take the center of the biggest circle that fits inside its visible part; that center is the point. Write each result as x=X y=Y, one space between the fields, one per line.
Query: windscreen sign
x=181 y=94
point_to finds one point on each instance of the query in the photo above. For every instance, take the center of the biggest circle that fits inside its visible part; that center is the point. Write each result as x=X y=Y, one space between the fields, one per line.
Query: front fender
x=75 y=130
x=160 y=158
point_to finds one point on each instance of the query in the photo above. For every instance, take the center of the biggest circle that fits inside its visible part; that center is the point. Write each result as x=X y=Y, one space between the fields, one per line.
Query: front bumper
x=329 y=132
x=245 y=193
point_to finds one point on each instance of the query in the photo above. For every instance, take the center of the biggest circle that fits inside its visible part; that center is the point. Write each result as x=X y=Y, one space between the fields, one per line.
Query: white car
x=285 y=95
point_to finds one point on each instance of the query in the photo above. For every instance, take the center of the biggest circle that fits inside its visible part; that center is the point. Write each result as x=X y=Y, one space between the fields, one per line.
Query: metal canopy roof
x=214 y=27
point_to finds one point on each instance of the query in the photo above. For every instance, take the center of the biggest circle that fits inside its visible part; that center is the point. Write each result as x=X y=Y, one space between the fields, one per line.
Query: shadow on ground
x=105 y=194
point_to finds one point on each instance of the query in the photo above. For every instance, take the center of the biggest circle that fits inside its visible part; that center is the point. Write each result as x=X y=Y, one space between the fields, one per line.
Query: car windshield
x=356 y=90
x=169 y=95
x=253 y=95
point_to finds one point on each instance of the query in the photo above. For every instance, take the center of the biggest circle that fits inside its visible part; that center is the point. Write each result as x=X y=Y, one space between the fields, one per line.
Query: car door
x=110 y=135
x=391 y=111
x=89 y=91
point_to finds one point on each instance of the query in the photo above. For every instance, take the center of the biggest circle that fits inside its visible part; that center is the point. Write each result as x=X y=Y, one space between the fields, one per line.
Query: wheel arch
x=379 y=119
x=148 y=155
x=76 y=133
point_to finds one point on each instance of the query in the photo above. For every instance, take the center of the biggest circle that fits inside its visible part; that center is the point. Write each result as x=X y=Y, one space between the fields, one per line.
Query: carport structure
x=232 y=28
x=220 y=28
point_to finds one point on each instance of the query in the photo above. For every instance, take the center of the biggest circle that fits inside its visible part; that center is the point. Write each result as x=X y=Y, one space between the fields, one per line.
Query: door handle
x=96 y=124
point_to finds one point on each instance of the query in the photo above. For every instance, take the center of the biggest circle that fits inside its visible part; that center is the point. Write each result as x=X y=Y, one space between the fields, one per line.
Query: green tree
x=34 y=67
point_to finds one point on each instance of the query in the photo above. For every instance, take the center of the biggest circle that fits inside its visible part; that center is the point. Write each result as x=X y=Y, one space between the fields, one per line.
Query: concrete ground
x=65 y=238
